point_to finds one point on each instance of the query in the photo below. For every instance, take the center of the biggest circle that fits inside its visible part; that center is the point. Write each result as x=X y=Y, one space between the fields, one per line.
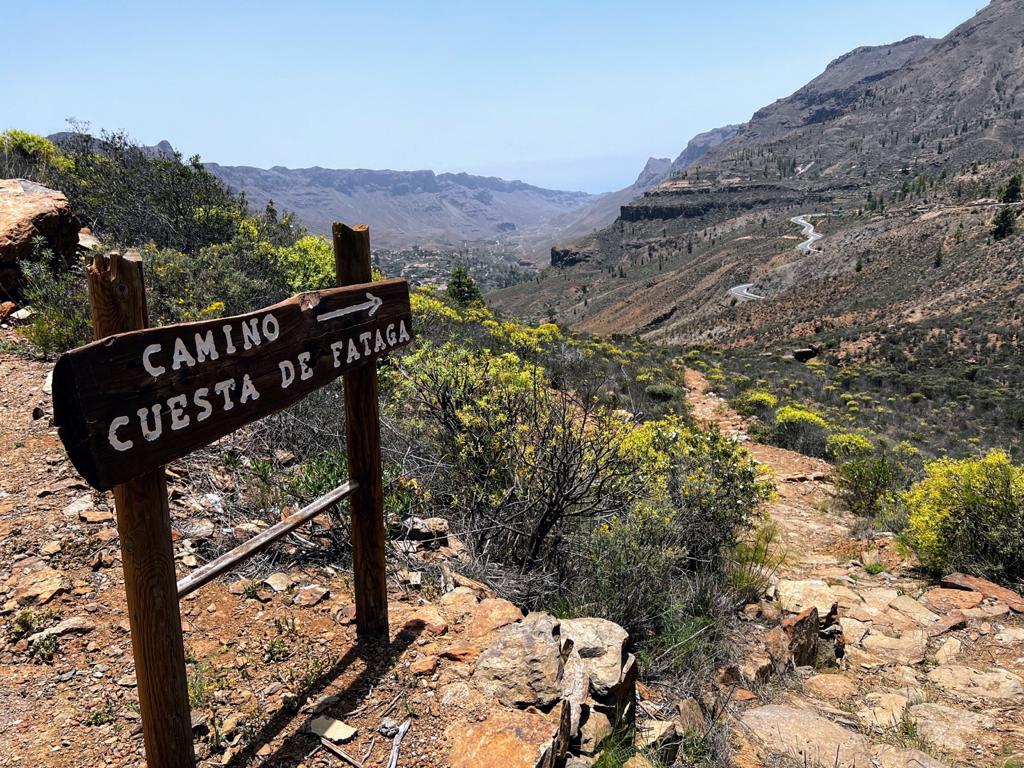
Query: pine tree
x=462 y=288
x=1012 y=193
x=1004 y=224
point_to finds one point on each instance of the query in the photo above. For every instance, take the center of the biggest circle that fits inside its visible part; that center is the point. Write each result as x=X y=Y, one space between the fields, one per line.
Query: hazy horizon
x=573 y=98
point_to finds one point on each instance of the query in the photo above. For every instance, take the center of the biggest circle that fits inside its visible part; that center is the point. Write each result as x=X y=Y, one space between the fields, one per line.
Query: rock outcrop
x=554 y=687
x=27 y=211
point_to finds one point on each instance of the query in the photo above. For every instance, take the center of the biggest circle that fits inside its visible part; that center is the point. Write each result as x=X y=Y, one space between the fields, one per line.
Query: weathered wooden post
x=138 y=398
x=362 y=430
x=118 y=301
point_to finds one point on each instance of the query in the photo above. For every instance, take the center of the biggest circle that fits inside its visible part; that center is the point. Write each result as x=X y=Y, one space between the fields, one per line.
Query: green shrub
x=462 y=289
x=968 y=515
x=754 y=402
x=800 y=429
x=308 y=264
x=21 y=152
x=870 y=483
x=1012 y=191
x=630 y=560
x=58 y=299
x=754 y=561
x=643 y=568
x=131 y=196
x=217 y=280
x=319 y=474
x=866 y=483
x=45 y=648
x=662 y=393
x=841 y=446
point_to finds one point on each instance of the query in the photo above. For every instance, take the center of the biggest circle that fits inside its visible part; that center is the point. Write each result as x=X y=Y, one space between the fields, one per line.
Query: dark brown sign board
x=134 y=401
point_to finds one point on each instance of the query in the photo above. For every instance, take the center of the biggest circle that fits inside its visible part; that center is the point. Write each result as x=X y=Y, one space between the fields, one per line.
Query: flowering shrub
x=841 y=446
x=754 y=402
x=968 y=514
x=800 y=429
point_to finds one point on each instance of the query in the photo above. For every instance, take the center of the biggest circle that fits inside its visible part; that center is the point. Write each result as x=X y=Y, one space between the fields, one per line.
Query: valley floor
x=930 y=677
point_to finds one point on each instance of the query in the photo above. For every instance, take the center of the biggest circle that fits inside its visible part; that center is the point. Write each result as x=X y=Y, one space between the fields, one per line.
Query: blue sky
x=572 y=95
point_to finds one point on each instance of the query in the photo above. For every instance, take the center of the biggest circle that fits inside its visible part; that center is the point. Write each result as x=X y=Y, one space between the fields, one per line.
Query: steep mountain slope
x=955 y=101
x=701 y=144
x=830 y=93
x=920 y=123
x=605 y=209
x=404 y=207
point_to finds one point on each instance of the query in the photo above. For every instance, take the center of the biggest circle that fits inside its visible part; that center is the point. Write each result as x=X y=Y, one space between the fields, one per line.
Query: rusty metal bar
x=261 y=541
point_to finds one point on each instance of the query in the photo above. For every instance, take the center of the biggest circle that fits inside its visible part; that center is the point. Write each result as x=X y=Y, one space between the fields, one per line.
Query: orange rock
x=943 y=600
x=461 y=651
x=985 y=587
x=429 y=619
x=510 y=738
x=952 y=620
x=424 y=665
x=460 y=599
x=493 y=613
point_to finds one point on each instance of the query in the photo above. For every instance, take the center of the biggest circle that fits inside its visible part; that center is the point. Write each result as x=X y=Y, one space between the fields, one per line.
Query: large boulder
x=810 y=740
x=601 y=645
x=511 y=738
x=523 y=666
x=29 y=210
x=975 y=684
x=807 y=738
x=951 y=729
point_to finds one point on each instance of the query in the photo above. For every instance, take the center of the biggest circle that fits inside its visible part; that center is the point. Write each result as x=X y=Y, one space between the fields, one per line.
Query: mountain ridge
x=403 y=208
x=920 y=150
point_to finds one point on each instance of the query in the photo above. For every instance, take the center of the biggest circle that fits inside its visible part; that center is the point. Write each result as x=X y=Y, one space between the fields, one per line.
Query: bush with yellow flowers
x=968 y=514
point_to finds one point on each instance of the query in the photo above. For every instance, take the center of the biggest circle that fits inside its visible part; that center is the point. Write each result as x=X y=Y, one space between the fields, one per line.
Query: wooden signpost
x=139 y=397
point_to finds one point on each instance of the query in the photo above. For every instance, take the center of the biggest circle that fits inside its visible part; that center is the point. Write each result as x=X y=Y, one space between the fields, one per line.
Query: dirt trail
x=930 y=676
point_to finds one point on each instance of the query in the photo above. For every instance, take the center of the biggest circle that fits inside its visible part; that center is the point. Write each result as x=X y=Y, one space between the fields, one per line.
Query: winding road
x=812 y=235
x=742 y=291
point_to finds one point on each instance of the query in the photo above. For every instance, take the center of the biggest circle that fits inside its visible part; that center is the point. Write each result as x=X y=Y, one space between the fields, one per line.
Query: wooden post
x=118 y=301
x=362 y=430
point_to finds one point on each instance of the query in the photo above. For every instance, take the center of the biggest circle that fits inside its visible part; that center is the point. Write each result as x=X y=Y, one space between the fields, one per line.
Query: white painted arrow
x=371 y=305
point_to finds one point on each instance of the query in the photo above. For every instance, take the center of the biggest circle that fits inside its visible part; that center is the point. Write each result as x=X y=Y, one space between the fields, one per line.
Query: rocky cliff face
x=844 y=81
x=919 y=104
x=701 y=144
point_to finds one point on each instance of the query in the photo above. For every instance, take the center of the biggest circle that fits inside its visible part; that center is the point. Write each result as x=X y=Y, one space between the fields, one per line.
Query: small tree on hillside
x=1012 y=193
x=462 y=288
x=1004 y=224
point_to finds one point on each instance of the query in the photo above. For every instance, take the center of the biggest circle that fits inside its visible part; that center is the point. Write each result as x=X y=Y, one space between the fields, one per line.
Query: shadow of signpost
x=378 y=656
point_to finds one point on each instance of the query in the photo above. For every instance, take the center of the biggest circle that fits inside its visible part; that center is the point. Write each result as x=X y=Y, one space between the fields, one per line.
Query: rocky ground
x=853 y=659
x=929 y=674
x=276 y=676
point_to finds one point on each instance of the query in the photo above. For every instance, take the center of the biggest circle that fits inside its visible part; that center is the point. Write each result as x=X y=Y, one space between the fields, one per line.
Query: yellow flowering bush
x=308 y=264
x=800 y=429
x=968 y=514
